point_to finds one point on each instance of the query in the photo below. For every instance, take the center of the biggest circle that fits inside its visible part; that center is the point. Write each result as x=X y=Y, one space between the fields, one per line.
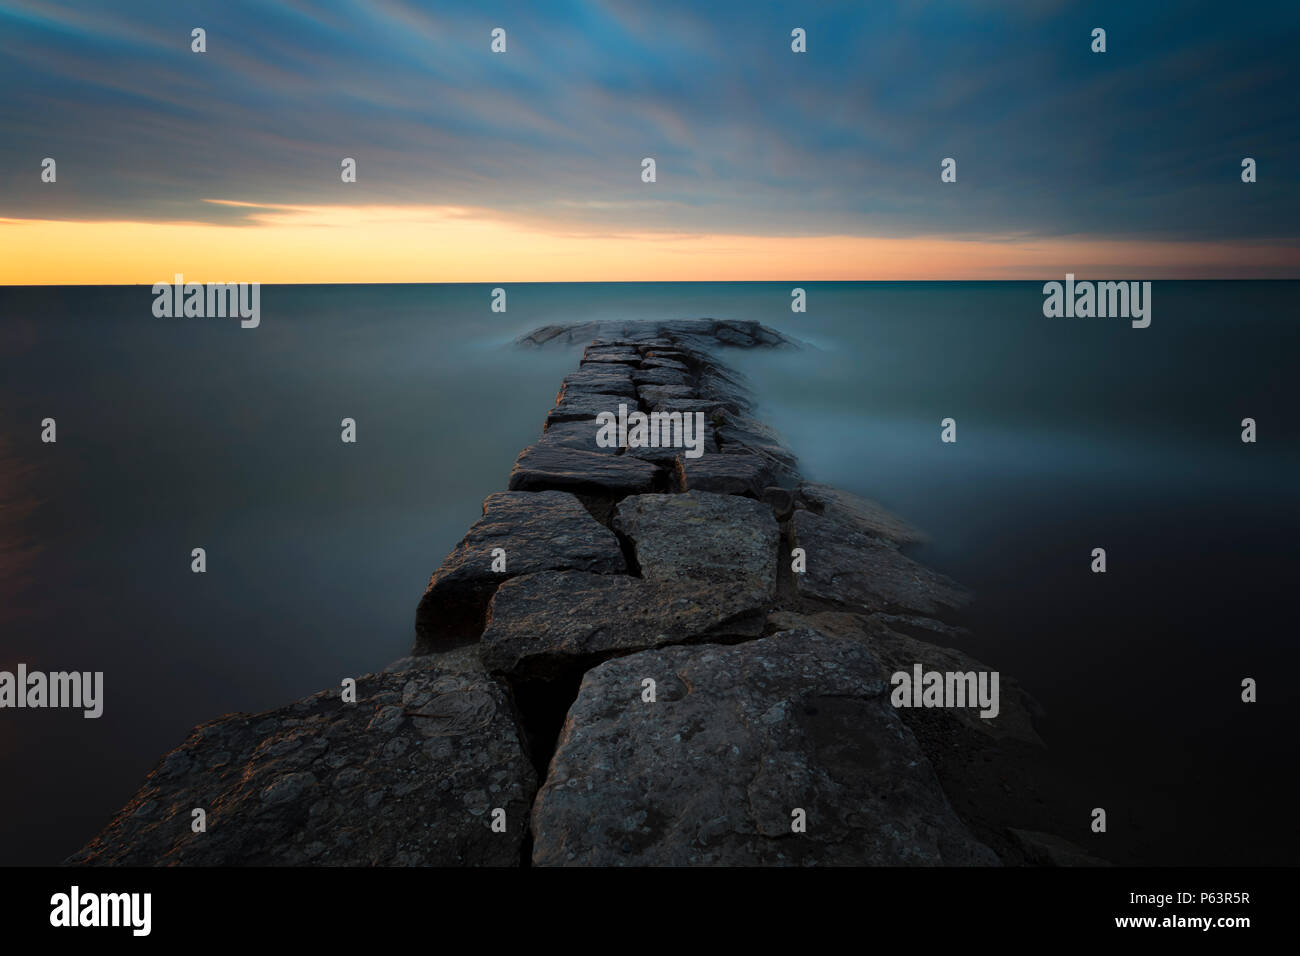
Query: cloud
x=1051 y=140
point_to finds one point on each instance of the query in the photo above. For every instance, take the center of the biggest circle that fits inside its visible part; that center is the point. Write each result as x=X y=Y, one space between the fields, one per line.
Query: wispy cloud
x=1144 y=141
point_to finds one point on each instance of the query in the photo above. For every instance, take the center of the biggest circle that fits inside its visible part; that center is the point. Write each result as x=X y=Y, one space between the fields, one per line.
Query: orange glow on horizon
x=345 y=244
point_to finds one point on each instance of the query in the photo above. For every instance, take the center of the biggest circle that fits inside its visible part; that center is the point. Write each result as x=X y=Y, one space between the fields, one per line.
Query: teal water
x=1072 y=434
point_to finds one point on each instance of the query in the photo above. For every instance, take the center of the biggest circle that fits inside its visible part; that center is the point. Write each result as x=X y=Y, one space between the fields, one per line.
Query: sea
x=1072 y=434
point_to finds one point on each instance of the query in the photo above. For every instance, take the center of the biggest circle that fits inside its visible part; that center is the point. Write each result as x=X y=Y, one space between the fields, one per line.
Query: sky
x=475 y=166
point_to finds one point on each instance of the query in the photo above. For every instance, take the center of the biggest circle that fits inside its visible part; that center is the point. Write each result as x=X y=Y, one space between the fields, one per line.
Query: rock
x=666 y=456
x=698 y=537
x=734 y=337
x=861 y=514
x=333 y=784
x=712 y=409
x=463 y=659
x=850 y=568
x=657 y=353
x=604 y=379
x=1017 y=710
x=540 y=531
x=543 y=467
x=577 y=434
x=739 y=432
x=680 y=332
x=737 y=739
x=539 y=337
x=616 y=358
x=661 y=376
x=780 y=500
x=728 y=474
x=665 y=363
x=665 y=395
x=582 y=406
x=541 y=626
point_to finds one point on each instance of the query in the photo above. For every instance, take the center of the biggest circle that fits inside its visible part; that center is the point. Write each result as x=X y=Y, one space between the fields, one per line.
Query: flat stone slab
x=661 y=376
x=607 y=379
x=737 y=740
x=848 y=567
x=407 y=776
x=700 y=537
x=581 y=406
x=727 y=474
x=665 y=394
x=710 y=407
x=666 y=457
x=544 y=467
x=669 y=353
x=575 y=434
x=543 y=625
x=629 y=357
x=539 y=531
x=666 y=363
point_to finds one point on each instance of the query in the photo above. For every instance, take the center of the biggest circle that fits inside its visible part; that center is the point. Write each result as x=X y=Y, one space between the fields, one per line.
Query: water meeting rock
x=769 y=737
x=862 y=514
x=848 y=567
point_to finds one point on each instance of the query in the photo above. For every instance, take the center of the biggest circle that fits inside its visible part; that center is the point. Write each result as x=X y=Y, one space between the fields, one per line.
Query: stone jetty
x=635 y=657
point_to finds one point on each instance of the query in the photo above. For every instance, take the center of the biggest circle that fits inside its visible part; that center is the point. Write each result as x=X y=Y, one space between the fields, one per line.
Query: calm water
x=1072 y=434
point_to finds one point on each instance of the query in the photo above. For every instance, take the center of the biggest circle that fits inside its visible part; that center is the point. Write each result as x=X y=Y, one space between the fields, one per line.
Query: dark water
x=1072 y=434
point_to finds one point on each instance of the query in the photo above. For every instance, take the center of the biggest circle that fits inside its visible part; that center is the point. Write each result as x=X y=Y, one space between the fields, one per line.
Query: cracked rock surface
x=409 y=775
x=737 y=740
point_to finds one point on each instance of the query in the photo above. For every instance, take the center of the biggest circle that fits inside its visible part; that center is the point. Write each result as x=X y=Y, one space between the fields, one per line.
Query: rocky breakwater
x=636 y=656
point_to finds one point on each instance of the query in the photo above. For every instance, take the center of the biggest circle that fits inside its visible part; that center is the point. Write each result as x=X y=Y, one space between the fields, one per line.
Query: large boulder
x=701 y=538
x=409 y=775
x=737 y=741
x=539 y=531
x=729 y=474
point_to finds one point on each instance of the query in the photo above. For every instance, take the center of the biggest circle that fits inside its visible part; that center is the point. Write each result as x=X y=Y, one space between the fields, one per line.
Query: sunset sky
x=526 y=166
